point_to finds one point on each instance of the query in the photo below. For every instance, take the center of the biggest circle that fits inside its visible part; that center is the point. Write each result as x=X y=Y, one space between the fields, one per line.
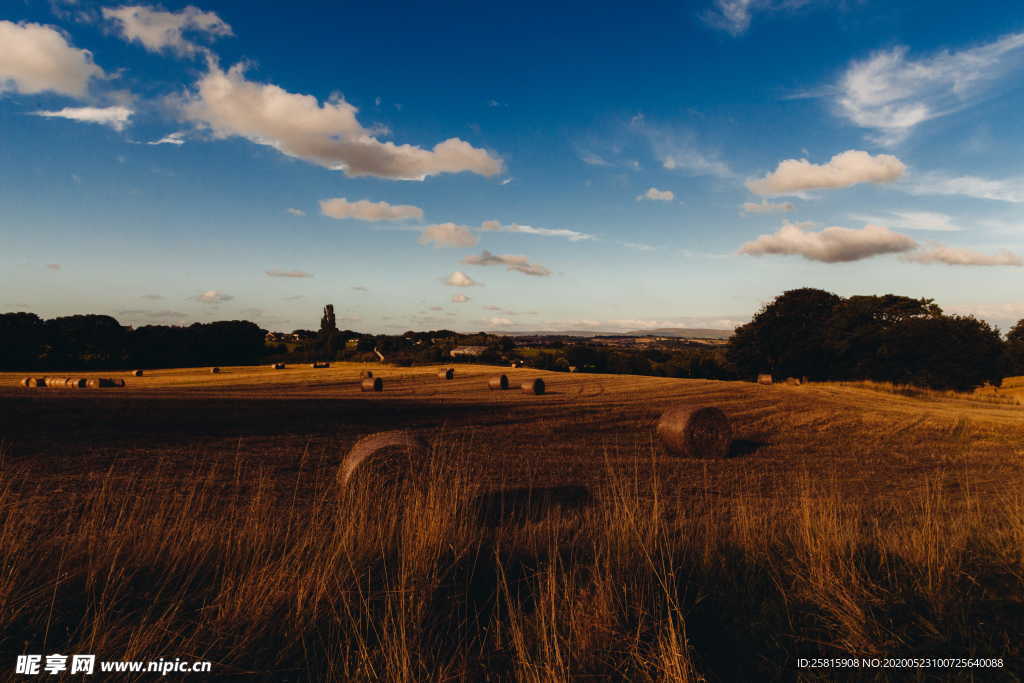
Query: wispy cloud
x=734 y=16
x=511 y=262
x=764 y=206
x=571 y=235
x=960 y=256
x=654 y=194
x=212 y=297
x=277 y=272
x=177 y=139
x=910 y=220
x=830 y=245
x=459 y=298
x=678 y=150
x=795 y=176
x=890 y=93
x=296 y=212
x=935 y=183
x=116 y=117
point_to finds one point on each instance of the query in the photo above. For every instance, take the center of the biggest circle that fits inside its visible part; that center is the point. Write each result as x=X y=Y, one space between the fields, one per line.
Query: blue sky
x=507 y=167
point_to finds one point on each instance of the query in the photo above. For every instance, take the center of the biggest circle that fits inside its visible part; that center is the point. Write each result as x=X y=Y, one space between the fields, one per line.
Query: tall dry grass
x=647 y=584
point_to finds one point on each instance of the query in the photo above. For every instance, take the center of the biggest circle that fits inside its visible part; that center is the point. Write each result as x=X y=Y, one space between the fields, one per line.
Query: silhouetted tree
x=945 y=352
x=328 y=339
x=786 y=337
x=1015 y=349
x=22 y=336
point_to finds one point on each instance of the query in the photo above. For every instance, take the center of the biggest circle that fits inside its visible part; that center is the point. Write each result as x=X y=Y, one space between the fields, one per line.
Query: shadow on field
x=741 y=447
x=517 y=506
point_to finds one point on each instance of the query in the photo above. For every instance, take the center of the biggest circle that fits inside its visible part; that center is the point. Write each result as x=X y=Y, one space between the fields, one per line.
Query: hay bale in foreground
x=794 y=381
x=136 y=373
x=695 y=432
x=385 y=456
x=446 y=373
x=372 y=384
x=215 y=371
x=534 y=386
x=365 y=374
x=498 y=383
x=764 y=378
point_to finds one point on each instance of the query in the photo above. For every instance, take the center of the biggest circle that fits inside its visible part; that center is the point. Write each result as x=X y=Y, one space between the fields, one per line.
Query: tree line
x=81 y=342
x=819 y=335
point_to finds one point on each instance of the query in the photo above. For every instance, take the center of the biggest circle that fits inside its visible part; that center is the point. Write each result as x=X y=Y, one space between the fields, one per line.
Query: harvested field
x=561 y=541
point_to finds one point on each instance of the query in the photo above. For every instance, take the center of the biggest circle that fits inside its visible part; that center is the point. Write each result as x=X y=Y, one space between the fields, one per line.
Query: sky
x=502 y=167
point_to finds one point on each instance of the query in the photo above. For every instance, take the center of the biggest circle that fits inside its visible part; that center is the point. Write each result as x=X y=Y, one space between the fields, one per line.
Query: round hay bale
x=25 y=381
x=695 y=432
x=136 y=373
x=387 y=457
x=372 y=384
x=94 y=383
x=366 y=374
x=320 y=364
x=35 y=382
x=279 y=366
x=534 y=386
x=102 y=383
x=215 y=371
x=75 y=382
x=498 y=383
x=56 y=382
x=446 y=373
x=118 y=382
x=764 y=378
x=794 y=381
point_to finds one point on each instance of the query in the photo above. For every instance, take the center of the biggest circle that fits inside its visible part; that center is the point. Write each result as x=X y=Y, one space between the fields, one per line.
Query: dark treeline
x=816 y=334
x=81 y=342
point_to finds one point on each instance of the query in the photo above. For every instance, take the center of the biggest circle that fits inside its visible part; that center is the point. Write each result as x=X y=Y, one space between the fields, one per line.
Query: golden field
x=198 y=515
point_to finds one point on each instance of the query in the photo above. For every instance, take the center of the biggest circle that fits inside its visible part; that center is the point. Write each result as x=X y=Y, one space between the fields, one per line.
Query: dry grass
x=847 y=523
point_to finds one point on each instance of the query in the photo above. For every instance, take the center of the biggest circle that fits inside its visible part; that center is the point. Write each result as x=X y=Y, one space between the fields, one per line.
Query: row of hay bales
x=764 y=378
x=71 y=382
x=500 y=382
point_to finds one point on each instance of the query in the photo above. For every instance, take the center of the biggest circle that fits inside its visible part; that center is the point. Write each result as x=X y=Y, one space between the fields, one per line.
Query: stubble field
x=198 y=516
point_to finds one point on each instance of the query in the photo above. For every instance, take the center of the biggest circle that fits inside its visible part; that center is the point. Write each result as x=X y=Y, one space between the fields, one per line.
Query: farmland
x=198 y=514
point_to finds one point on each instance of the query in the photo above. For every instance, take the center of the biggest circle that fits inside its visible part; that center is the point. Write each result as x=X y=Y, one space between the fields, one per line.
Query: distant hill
x=680 y=332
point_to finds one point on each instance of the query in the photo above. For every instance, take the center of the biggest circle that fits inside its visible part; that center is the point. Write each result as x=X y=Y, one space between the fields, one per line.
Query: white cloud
x=831 y=245
x=506 y=181
x=365 y=210
x=212 y=297
x=890 y=94
x=296 y=212
x=448 y=235
x=511 y=262
x=911 y=220
x=766 y=207
x=37 y=58
x=1006 y=190
x=593 y=159
x=732 y=16
x=654 y=194
x=116 y=117
x=177 y=138
x=571 y=235
x=499 y=321
x=158 y=30
x=326 y=134
x=459 y=299
x=960 y=256
x=639 y=246
x=460 y=279
x=794 y=176
x=277 y=272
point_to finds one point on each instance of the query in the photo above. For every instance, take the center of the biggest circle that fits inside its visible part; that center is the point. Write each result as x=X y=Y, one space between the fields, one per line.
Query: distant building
x=472 y=351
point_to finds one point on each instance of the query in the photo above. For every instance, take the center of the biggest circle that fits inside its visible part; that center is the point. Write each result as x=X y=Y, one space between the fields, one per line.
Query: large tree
x=787 y=336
